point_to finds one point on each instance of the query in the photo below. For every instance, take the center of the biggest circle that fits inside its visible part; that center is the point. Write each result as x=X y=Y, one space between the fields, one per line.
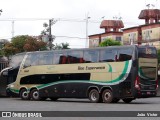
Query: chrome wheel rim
x=35 y=95
x=25 y=94
x=93 y=96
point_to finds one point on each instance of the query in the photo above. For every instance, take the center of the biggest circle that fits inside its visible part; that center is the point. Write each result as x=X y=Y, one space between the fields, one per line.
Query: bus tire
x=107 y=96
x=127 y=100
x=35 y=94
x=94 y=96
x=24 y=95
x=53 y=98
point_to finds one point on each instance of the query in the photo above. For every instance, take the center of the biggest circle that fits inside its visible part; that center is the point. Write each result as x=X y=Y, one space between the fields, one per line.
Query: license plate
x=148 y=93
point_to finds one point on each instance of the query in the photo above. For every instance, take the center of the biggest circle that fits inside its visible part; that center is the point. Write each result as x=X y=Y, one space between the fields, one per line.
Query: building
x=147 y=34
x=112 y=30
x=132 y=35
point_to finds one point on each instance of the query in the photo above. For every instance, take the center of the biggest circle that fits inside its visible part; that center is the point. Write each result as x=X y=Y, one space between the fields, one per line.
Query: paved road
x=16 y=104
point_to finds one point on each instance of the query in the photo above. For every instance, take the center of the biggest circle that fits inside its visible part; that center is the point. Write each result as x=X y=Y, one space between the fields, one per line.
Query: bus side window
x=46 y=58
x=60 y=58
x=125 y=54
x=31 y=60
x=108 y=55
x=75 y=57
x=34 y=59
x=91 y=56
x=27 y=62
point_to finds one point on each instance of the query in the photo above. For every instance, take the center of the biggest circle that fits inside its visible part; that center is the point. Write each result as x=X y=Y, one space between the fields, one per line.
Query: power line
x=58 y=19
x=70 y=37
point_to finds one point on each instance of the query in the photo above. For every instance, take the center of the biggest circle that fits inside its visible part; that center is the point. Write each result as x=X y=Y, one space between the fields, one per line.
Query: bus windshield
x=16 y=60
x=147 y=52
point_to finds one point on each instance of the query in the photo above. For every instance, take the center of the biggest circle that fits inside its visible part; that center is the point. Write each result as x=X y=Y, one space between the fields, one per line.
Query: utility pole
x=87 y=17
x=12 y=28
x=51 y=38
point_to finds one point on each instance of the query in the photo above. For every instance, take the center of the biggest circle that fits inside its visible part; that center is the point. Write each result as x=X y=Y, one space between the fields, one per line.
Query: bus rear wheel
x=107 y=96
x=24 y=95
x=35 y=95
x=94 y=96
x=127 y=100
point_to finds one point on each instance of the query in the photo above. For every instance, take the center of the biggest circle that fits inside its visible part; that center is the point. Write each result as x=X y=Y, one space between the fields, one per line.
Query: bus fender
x=104 y=88
x=92 y=87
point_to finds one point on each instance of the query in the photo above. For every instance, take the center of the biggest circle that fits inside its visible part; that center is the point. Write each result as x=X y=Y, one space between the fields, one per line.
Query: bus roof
x=97 y=48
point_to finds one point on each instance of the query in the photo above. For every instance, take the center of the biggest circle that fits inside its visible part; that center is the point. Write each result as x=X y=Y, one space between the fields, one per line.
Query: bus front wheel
x=94 y=96
x=24 y=94
x=107 y=96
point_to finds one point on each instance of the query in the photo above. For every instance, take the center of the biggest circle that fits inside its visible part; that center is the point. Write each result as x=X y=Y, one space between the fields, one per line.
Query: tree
x=61 y=46
x=23 y=43
x=18 y=42
x=33 y=44
x=109 y=42
x=2 y=44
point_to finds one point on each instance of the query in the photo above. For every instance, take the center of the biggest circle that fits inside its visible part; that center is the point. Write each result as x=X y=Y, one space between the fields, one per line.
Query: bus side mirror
x=5 y=73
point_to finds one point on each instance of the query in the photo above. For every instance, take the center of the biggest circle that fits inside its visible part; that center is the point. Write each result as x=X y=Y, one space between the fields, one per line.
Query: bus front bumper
x=11 y=93
x=145 y=94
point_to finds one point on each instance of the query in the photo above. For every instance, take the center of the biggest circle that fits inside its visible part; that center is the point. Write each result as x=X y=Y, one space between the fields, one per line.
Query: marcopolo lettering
x=94 y=68
x=90 y=68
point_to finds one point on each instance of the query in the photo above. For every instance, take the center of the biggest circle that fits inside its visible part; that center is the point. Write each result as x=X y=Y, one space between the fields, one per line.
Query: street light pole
x=87 y=17
x=51 y=22
x=12 y=28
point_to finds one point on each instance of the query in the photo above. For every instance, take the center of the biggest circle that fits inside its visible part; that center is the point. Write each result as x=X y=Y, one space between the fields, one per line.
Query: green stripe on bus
x=14 y=90
x=110 y=67
x=124 y=72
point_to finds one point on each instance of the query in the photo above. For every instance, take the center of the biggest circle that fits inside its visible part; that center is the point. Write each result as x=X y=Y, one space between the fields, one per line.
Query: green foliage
x=18 y=42
x=61 y=46
x=23 y=43
x=109 y=42
x=1 y=53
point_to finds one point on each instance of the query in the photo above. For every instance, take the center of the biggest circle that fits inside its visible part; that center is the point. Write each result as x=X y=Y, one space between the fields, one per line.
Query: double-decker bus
x=105 y=74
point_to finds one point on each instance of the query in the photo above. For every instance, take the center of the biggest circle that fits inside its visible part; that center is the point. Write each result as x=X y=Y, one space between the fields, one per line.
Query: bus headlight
x=11 y=86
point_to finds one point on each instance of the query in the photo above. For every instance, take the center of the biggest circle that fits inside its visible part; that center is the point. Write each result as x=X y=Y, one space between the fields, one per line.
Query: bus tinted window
x=125 y=54
x=147 y=52
x=46 y=58
x=107 y=55
x=60 y=58
x=91 y=56
x=75 y=57
x=31 y=60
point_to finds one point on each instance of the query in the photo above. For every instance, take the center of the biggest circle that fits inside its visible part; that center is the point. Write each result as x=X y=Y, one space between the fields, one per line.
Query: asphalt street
x=16 y=104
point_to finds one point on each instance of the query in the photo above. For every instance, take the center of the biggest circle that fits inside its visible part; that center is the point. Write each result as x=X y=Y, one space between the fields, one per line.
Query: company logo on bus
x=148 y=51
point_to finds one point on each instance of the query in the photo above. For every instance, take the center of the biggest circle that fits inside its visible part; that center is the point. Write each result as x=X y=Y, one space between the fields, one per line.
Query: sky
x=29 y=16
